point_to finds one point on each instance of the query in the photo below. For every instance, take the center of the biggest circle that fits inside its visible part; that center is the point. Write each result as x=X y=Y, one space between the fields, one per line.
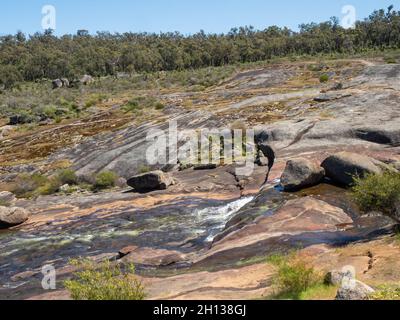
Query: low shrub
x=26 y=184
x=68 y=176
x=105 y=180
x=390 y=60
x=377 y=192
x=104 y=282
x=294 y=276
x=324 y=78
x=52 y=186
x=386 y=293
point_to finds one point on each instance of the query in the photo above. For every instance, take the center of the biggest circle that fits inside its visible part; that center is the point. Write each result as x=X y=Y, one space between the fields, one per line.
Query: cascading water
x=214 y=219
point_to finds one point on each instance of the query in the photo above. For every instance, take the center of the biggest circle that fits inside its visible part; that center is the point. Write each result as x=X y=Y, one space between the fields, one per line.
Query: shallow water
x=186 y=225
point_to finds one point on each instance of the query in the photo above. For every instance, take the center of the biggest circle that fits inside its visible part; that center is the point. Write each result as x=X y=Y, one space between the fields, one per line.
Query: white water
x=217 y=217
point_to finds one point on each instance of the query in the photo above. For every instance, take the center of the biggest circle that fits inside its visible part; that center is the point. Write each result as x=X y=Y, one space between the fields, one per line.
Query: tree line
x=43 y=55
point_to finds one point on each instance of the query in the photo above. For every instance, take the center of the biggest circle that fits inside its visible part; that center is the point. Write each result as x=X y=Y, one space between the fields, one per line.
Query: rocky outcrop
x=295 y=219
x=86 y=80
x=354 y=290
x=344 y=166
x=7 y=197
x=151 y=181
x=57 y=83
x=10 y=217
x=60 y=83
x=301 y=173
x=336 y=278
x=65 y=82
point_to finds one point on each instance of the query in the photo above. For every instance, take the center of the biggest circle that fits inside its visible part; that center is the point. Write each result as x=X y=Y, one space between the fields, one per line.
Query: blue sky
x=186 y=16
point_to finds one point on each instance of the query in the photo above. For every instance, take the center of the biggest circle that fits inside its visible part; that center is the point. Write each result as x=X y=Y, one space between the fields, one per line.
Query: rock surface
x=301 y=173
x=156 y=180
x=152 y=257
x=10 y=217
x=7 y=197
x=343 y=166
x=296 y=217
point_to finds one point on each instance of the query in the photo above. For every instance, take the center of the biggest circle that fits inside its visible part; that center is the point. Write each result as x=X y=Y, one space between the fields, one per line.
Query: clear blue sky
x=186 y=16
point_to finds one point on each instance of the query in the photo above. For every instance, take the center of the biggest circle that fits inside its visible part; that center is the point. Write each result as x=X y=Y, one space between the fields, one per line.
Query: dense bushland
x=44 y=55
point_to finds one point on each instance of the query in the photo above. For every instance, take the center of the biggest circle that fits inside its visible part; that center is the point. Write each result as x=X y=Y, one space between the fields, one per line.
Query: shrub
x=390 y=60
x=159 y=106
x=68 y=176
x=324 y=78
x=131 y=106
x=294 y=276
x=144 y=169
x=26 y=184
x=9 y=76
x=386 y=293
x=377 y=192
x=105 y=180
x=104 y=282
x=50 y=187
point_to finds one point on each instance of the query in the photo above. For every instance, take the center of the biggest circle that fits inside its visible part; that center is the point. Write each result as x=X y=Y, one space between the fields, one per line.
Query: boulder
x=65 y=82
x=344 y=166
x=10 y=217
x=156 y=180
x=7 y=197
x=86 y=79
x=354 y=290
x=301 y=173
x=57 y=83
x=336 y=278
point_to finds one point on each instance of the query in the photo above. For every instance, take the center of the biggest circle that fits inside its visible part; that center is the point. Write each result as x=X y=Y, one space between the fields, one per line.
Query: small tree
x=9 y=76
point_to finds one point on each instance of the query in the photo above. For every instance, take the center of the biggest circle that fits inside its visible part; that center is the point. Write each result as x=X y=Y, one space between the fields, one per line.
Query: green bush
x=324 y=78
x=377 y=192
x=294 y=276
x=68 y=176
x=131 y=106
x=390 y=60
x=104 y=282
x=105 y=180
x=144 y=169
x=52 y=186
x=159 y=106
x=26 y=184
x=386 y=293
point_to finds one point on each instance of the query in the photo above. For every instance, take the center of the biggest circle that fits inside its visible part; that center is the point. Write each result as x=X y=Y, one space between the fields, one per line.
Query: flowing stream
x=187 y=225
